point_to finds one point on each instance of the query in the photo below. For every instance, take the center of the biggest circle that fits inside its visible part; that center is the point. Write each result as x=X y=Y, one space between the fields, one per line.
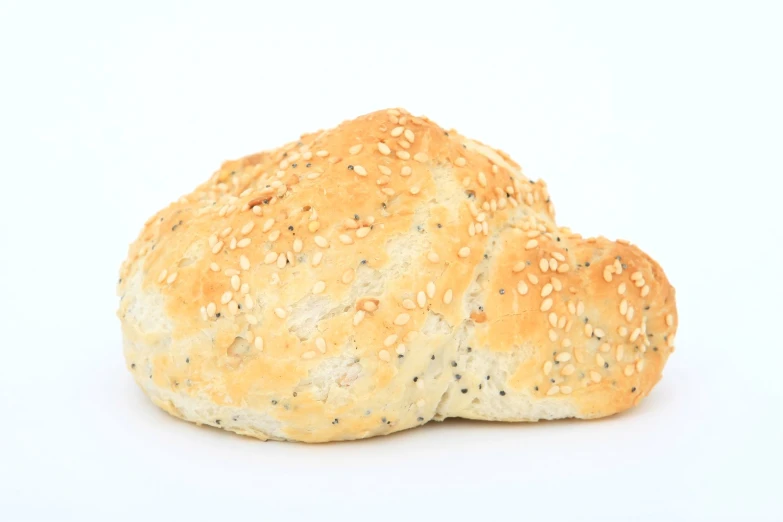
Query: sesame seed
x=557 y=284
x=588 y=330
x=568 y=369
x=595 y=376
x=533 y=278
x=421 y=299
x=623 y=307
x=268 y=224
x=248 y=302
x=635 y=334
x=472 y=229
x=433 y=257
x=607 y=276
x=645 y=290
x=321 y=241
x=235 y=283
x=669 y=320
x=402 y=319
x=347 y=276
x=279 y=312
x=430 y=289
x=571 y=308
x=640 y=365
x=356 y=149
x=274 y=235
x=460 y=162
x=251 y=319
x=447 y=297
x=214 y=267
x=628 y=371
x=233 y=244
x=218 y=247
x=409 y=135
x=531 y=244
x=621 y=289
x=396 y=131
x=406 y=171
x=345 y=239
x=605 y=347
x=553 y=390
x=319 y=287
x=313 y=226
x=563 y=268
x=547 y=367
x=553 y=319
x=360 y=170
x=599 y=333
x=211 y=309
x=322 y=153
x=543 y=265
x=522 y=288
x=270 y=257
x=390 y=340
x=519 y=266
x=226 y=297
x=580 y=308
x=414 y=190
x=259 y=343
x=620 y=352
x=308 y=355
x=247 y=228
x=403 y=154
x=383 y=148
x=552 y=335
x=622 y=331
x=162 y=275
x=482 y=179
x=358 y=317
x=362 y=232
x=629 y=315
x=552 y=264
x=636 y=275
x=244 y=262
x=242 y=243
x=546 y=290
x=408 y=304
x=384 y=355
x=599 y=360
x=546 y=304
x=464 y=252
x=563 y=357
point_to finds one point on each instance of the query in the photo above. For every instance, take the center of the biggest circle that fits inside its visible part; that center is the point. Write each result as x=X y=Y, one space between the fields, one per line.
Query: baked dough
x=371 y=278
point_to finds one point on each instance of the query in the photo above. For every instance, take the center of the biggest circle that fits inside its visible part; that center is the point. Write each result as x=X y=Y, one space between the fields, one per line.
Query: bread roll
x=377 y=276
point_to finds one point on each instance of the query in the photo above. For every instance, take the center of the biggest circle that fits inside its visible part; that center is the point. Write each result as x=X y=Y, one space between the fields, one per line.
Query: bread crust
x=373 y=277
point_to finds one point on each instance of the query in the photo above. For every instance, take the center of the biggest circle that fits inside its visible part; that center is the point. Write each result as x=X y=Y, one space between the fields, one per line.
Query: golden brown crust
x=273 y=233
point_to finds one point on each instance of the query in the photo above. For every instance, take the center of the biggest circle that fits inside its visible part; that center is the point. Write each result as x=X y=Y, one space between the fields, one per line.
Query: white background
x=655 y=121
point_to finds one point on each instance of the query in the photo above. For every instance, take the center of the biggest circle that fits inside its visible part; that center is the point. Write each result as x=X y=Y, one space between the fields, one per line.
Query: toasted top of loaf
x=314 y=282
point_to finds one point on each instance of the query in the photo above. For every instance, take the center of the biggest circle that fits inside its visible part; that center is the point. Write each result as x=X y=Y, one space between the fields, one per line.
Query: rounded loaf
x=379 y=275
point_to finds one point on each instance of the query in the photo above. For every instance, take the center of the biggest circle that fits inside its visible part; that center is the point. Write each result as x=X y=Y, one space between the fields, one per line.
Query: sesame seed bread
x=379 y=275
